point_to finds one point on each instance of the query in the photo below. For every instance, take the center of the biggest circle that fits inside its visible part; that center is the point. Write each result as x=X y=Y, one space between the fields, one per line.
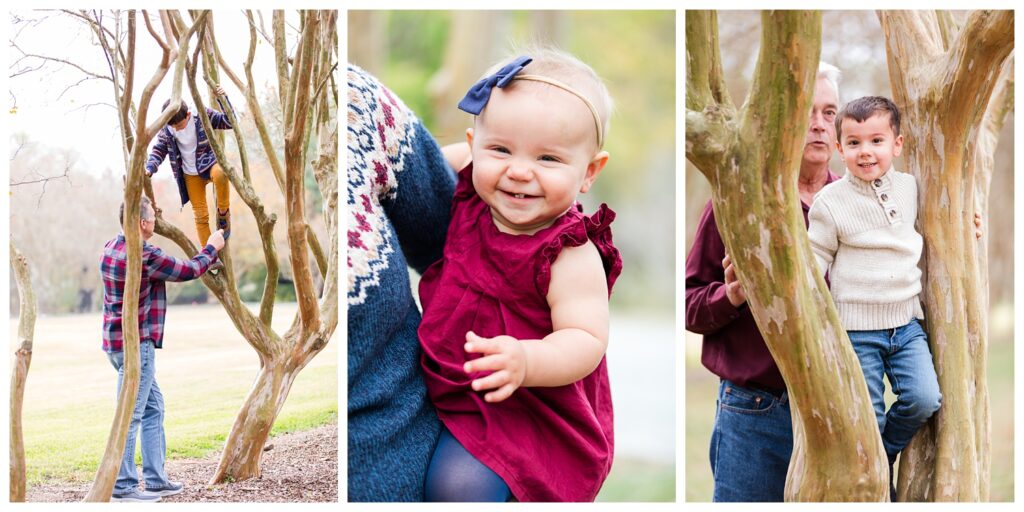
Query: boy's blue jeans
x=149 y=413
x=751 y=444
x=902 y=354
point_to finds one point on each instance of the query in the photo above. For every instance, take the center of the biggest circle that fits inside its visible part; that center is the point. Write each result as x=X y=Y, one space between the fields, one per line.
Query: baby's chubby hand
x=505 y=356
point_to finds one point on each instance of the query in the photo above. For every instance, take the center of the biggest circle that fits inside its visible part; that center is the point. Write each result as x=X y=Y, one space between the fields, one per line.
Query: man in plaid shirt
x=157 y=269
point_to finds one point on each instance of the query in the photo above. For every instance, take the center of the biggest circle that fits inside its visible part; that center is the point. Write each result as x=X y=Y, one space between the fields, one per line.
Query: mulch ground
x=297 y=467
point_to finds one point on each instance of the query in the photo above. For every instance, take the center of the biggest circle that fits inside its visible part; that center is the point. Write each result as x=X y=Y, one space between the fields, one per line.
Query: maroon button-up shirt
x=733 y=348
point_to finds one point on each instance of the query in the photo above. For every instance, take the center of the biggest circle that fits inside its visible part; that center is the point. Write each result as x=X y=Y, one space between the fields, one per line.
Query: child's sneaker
x=224 y=221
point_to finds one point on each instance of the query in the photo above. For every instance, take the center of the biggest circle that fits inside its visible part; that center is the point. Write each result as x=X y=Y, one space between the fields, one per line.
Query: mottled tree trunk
x=943 y=79
x=283 y=357
x=305 y=80
x=173 y=51
x=244 y=446
x=751 y=158
x=22 y=360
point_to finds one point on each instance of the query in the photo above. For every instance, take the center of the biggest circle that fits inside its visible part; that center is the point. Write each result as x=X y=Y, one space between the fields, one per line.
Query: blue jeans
x=901 y=354
x=149 y=413
x=751 y=444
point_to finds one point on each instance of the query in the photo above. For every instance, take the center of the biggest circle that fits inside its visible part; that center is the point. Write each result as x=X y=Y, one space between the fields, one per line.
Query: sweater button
x=878 y=182
x=885 y=197
x=892 y=213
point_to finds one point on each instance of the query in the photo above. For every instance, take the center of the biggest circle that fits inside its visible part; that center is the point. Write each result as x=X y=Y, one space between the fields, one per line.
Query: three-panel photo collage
x=635 y=257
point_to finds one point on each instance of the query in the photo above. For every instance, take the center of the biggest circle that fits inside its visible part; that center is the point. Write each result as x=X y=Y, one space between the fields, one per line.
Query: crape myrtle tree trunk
x=174 y=49
x=951 y=82
x=751 y=158
x=307 y=85
x=22 y=360
x=308 y=93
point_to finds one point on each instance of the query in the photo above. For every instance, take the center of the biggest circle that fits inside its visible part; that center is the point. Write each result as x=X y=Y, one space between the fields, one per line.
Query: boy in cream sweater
x=862 y=233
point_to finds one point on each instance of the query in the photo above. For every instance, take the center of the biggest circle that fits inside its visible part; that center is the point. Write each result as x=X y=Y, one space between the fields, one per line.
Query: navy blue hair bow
x=476 y=99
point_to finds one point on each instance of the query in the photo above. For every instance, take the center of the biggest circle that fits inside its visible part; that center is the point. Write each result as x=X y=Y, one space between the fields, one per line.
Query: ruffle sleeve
x=581 y=228
x=464 y=187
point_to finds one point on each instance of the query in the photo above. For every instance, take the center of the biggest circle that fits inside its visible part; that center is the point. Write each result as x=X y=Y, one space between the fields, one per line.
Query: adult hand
x=978 y=231
x=217 y=240
x=219 y=90
x=505 y=356
x=733 y=288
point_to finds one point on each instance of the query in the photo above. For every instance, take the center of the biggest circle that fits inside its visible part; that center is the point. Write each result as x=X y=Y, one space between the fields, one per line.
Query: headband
x=478 y=95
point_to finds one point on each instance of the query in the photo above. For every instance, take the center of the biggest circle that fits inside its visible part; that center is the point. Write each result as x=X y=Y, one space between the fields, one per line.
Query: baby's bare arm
x=578 y=297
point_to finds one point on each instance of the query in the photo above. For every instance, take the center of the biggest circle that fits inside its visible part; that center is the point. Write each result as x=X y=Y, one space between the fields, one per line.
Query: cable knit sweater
x=399 y=199
x=863 y=234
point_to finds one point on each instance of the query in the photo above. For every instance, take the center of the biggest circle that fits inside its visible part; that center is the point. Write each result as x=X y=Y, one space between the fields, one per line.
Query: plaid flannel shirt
x=157 y=269
x=167 y=147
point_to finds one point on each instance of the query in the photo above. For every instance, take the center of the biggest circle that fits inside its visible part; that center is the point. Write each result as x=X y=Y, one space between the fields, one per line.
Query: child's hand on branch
x=978 y=231
x=505 y=356
x=219 y=90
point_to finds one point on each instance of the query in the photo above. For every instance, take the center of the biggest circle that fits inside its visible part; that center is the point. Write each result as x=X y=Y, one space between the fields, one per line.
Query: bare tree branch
x=57 y=60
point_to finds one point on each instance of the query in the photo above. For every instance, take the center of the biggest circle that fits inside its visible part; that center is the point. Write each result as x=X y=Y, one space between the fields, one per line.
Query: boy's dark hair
x=181 y=114
x=145 y=210
x=863 y=108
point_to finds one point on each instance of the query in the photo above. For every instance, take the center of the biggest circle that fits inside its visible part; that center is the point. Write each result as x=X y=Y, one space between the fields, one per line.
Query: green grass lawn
x=702 y=389
x=204 y=371
x=633 y=480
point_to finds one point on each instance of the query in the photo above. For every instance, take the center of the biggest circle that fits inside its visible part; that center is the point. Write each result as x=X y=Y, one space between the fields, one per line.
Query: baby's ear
x=594 y=168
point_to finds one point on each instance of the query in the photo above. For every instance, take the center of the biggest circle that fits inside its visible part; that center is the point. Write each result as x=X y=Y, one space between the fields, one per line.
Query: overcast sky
x=52 y=114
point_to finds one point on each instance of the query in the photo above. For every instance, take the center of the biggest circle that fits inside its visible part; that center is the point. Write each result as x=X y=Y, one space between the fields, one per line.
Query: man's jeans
x=149 y=412
x=751 y=444
x=902 y=354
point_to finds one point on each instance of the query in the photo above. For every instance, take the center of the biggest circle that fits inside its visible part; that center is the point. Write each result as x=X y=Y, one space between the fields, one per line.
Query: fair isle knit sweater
x=399 y=200
x=862 y=233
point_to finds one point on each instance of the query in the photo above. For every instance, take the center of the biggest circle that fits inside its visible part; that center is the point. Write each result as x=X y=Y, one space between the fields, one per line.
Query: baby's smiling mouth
x=519 y=195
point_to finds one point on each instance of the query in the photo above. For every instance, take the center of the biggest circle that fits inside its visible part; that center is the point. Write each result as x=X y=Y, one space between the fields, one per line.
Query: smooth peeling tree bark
x=22 y=361
x=944 y=82
x=283 y=357
x=106 y=474
x=751 y=157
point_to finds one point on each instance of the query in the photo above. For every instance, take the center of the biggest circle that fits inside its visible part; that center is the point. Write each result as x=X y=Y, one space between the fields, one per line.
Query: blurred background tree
x=853 y=41
x=431 y=58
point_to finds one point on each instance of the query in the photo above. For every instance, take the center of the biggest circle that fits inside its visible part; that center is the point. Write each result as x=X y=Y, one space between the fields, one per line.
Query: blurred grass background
x=204 y=371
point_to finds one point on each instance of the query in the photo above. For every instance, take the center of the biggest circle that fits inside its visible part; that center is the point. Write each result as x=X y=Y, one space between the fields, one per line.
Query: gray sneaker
x=170 y=489
x=135 y=495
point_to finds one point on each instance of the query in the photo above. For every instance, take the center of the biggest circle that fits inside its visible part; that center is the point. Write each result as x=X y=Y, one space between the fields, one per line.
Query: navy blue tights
x=455 y=475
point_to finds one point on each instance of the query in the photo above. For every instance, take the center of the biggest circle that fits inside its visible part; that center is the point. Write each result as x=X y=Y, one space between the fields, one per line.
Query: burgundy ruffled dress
x=547 y=444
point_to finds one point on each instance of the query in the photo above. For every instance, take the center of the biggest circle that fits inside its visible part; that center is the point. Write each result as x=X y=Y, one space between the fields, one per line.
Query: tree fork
x=750 y=157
